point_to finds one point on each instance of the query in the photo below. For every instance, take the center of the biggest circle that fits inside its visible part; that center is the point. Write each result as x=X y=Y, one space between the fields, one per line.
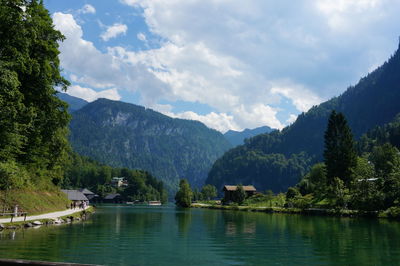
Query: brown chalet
x=229 y=190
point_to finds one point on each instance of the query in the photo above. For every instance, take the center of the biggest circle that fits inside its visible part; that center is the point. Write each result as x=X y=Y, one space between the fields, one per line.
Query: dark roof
x=90 y=197
x=86 y=191
x=233 y=188
x=112 y=196
x=74 y=194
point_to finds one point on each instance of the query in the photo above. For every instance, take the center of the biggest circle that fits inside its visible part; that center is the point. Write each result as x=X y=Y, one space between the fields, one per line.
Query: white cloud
x=91 y=95
x=87 y=9
x=291 y=119
x=114 y=31
x=141 y=37
x=301 y=98
x=243 y=60
x=219 y=121
x=93 y=68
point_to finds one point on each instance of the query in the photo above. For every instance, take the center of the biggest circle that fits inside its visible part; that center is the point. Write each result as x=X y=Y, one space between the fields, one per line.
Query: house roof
x=111 y=196
x=74 y=194
x=86 y=191
x=233 y=188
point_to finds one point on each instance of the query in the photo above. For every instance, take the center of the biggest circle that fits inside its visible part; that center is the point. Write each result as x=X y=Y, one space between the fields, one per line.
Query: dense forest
x=126 y=135
x=278 y=160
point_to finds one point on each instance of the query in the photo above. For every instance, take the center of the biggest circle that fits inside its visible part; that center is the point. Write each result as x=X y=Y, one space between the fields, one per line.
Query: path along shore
x=50 y=215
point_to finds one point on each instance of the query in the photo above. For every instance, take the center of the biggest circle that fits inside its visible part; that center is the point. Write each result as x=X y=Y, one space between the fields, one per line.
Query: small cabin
x=113 y=198
x=92 y=197
x=229 y=190
x=76 y=196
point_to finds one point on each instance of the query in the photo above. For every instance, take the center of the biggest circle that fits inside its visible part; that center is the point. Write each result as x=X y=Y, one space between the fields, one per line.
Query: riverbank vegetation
x=363 y=176
x=83 y=172
x=354 y=179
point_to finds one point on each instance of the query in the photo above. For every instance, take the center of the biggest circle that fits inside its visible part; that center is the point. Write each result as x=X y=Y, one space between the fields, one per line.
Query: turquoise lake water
x=151 y=235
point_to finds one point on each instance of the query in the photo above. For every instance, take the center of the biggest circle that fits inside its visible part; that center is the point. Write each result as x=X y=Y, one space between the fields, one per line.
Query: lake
x=151 y=235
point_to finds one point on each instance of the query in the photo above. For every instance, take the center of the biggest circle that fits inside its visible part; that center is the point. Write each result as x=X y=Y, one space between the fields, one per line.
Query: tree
x=386 y=160
x=183 y=197
x=339 y=193
x=315 y=181
x=209 y=191
x=239 y=195
x=339 y=154
x=34 y=132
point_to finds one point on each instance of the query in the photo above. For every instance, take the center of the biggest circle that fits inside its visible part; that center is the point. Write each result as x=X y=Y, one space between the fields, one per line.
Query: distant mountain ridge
x=126 y=135
x=74 y=103
x=277 y=160
x=238 y=137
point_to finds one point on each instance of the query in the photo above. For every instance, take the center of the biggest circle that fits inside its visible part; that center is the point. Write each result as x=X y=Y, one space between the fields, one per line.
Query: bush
x=12 y=176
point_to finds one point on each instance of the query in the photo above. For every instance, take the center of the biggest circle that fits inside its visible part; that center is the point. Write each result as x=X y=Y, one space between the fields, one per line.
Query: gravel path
x=51 y=215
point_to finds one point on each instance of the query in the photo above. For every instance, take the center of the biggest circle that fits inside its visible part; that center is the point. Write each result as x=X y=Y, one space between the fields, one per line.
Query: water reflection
x=170 y=236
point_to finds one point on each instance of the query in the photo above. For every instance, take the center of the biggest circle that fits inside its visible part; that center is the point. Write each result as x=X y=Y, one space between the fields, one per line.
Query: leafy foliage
x=33 y=121
x=209 y=191
x=86 y=173
x=183 y=197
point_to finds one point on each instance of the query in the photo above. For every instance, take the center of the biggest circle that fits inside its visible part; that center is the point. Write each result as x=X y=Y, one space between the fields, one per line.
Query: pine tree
x=339 y=154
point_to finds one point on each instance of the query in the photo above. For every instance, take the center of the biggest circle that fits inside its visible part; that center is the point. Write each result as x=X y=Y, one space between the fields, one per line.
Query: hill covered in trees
x=237 y=137
x=277 y=160
x=126 y=135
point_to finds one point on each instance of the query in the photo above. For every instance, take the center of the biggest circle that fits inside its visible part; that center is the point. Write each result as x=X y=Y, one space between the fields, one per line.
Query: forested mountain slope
x=238 y=137
x=127 y=135
x=278 y=159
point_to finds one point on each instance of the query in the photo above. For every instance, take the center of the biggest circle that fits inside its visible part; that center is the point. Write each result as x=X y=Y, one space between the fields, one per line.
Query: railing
x=13 y=214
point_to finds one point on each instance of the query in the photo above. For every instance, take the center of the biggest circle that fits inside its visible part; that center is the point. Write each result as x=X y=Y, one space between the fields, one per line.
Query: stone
x=57 y=221
x=37 y=223
x=2 y=227
x=28 y=225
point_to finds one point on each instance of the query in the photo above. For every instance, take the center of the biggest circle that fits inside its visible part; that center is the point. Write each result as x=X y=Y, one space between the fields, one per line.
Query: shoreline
x=282 y=210
x=53 y=218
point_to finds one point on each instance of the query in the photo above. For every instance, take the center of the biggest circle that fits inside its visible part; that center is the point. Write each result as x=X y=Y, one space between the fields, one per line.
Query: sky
x=231 y=64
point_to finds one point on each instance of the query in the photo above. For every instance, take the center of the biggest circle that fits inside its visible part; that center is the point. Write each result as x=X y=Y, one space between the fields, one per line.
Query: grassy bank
x=33 y=202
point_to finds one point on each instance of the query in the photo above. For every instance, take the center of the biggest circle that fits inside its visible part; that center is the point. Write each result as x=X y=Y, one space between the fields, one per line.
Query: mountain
x=237 y=137
x=277 y=160
x=126 y=135
x=74 y=103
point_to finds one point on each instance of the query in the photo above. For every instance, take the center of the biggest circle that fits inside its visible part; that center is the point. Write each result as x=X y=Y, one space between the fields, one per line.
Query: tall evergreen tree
x=339 y=154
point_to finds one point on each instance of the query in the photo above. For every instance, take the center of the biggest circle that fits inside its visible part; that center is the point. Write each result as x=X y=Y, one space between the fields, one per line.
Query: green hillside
x=127 y=135
x=277 y=160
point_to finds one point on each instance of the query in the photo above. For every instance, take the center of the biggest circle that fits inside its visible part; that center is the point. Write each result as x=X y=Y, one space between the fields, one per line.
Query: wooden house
x=229 y=190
